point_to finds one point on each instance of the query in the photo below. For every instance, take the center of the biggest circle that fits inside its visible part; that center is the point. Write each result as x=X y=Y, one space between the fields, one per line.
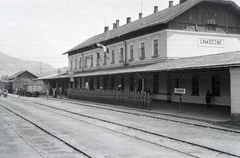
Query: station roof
x=51 y=76
x=221 y=60
x=160 y=17
x=19 y=73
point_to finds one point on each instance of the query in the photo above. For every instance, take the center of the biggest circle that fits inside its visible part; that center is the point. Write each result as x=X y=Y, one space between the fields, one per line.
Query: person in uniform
x=60 y=92
x=208 y=98
x=47 y=94
x=149 y=100
x=145 y=100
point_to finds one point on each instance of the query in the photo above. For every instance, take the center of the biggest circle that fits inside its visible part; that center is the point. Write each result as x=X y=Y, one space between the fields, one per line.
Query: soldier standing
x=145 y=101
x=47 y=94
x=60 y=92
x=208 y=98
x=149 y=100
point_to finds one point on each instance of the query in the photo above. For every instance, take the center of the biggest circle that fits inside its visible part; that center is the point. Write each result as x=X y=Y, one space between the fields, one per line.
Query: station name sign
x=210 y=42
x=179 y=90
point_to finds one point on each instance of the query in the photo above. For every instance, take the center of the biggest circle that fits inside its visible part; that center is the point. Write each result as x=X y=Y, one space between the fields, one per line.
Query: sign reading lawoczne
x=210 y=42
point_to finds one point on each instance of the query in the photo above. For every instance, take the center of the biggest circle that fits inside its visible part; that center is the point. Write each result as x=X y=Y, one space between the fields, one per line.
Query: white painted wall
x=172 y=44
x=187 y=43
x=147 y=39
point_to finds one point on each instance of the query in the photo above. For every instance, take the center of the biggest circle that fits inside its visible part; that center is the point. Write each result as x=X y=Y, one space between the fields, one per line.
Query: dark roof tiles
x=19 y=73
x=160 y=17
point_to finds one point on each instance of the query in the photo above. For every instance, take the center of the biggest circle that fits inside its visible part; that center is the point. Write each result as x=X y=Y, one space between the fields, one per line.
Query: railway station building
x=194 y=45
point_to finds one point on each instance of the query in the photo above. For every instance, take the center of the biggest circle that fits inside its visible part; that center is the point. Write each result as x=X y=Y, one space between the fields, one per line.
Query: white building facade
x=193 y=45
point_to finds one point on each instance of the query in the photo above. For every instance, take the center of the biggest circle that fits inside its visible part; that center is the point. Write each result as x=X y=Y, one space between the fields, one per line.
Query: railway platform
x=217 y=115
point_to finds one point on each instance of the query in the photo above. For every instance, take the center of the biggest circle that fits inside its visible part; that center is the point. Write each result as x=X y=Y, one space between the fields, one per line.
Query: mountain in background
x=10 y=66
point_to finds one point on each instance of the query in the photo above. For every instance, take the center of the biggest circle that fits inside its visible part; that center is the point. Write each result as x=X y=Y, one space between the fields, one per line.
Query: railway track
x=149 y=114
x=192 y=149
x=160 y=137
x=76 y=148
x=45 y=143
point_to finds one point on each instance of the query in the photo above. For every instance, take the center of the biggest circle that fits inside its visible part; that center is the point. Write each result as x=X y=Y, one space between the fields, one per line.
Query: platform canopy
x=221 y=60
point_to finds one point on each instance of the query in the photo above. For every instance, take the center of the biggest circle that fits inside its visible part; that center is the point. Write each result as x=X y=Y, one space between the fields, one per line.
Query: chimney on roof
x=106 y=28
x=117 y=23
x=170 y=4
x=140 y=15
x=128 y=20
x=155 y=9
x=182 y=1
x=114 y=25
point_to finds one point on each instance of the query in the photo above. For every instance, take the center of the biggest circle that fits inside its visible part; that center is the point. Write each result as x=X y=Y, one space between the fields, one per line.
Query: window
x=131 y=82
x=156 y=83
x=195 y=85
x=75 y=63
x=113 y=57
x=90 y=83
x=121 y=55
x=216 y=86
x=105 y=59
x=212 y=18
x=80 y=63
x=142 y=51
x=113 y=82
x=91 y=60
x=71 y=63
x=177 y=83
x=211 y=21
x=75 y=83
x=105 y=82
x=155 y=47
x=139 y=88
x=98 y=59
x=98 y=83
x=86 y=61
x=131 y=53
x=80 y=83
x=122 y=82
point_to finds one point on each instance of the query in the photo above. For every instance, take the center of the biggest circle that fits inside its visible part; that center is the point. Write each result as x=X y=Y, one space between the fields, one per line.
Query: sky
x=42 y=30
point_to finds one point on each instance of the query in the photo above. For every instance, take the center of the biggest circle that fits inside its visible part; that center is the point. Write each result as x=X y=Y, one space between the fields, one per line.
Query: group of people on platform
x=117 y=97
x=54 y=92
x=138 y=99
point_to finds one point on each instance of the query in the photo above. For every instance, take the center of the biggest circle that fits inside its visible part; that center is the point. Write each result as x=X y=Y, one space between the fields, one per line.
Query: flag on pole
x=105 y=49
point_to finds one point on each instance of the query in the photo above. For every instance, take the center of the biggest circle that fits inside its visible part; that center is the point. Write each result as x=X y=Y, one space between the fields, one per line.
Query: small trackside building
x=22 y=80
x=193 y=45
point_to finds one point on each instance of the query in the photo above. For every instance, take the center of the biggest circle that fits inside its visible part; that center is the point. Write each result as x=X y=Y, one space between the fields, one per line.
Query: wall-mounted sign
x=179 y=90
x=211 y=42
x=72 y=79
x=70 y=72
